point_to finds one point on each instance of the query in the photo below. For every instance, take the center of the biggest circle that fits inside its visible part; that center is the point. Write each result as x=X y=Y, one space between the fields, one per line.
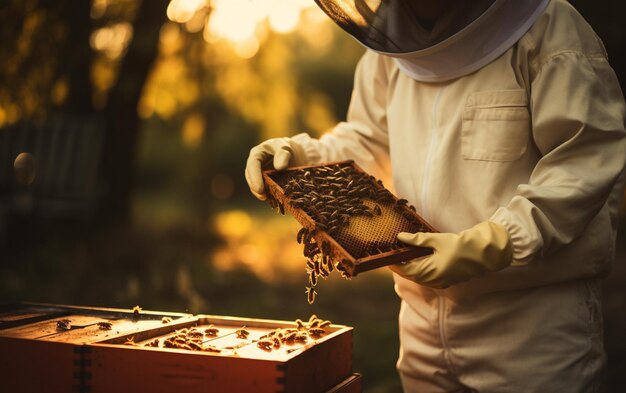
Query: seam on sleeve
x=563 y=53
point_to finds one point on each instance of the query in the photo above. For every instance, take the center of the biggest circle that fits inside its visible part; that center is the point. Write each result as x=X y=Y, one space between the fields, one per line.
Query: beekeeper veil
x=468 y=35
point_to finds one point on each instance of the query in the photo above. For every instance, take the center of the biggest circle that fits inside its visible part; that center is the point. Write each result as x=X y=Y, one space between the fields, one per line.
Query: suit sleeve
x=577 y=111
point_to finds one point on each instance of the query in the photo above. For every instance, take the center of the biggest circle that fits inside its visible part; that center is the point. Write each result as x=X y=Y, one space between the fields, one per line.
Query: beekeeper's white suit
x=507 y=135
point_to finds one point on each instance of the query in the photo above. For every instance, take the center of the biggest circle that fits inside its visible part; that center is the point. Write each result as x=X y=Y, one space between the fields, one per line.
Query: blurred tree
x=122 y=120
x=53 y=56
x=94 y=59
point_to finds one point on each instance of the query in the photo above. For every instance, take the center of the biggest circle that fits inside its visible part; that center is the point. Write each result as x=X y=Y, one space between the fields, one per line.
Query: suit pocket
x=495 y=125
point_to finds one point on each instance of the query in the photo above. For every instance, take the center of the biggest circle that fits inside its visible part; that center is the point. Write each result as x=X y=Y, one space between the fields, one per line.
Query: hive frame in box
x=338 y=252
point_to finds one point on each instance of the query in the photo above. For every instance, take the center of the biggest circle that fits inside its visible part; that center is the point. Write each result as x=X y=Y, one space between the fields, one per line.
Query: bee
x=300 y=324
x=348 y=264
x=242 y=333
x=301 y=235
x=130 y=341
x=298 y=203
x=265 y=344
x=212 y=348
x=330 y=264
x=289 y=338
x=195 y=346
x=105 y=325
x=195 y=334
x=324 y=324
x=316 y=266
x=136 y=311
x=211 y=331
x=301 y=337
x=324 y=271
x=153 y=343
x=277 y=343
x=378 y=210
x=64 y=324
x=316 y=332
x=310 y=250
x=168 y=343
x=341 y=267
x=308 y=236
x=166 y=320
x=321 y=226
x=367 y=213
x=310 y=294
x=312 y=278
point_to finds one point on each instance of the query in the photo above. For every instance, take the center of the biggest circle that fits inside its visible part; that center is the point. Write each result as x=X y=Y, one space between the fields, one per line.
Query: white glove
x=285 y=153
x=474 y=252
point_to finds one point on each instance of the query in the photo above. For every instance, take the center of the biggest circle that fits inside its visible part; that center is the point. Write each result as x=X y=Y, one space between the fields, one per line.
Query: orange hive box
x=89 y=359
x=41 y=352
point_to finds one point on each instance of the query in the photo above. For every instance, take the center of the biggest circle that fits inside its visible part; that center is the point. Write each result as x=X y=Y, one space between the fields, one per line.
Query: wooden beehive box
x=37 y=356
x=363 y=241
x=69 y=361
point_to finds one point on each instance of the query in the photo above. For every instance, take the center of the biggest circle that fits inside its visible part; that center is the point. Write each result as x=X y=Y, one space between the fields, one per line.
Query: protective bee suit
x=517 y=124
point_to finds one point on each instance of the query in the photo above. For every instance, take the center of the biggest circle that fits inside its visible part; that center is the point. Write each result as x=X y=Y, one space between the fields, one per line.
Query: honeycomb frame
x=362 y=232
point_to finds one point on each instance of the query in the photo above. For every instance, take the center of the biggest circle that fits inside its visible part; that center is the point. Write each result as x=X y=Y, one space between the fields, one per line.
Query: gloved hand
x=284 y=152
x=457 y=257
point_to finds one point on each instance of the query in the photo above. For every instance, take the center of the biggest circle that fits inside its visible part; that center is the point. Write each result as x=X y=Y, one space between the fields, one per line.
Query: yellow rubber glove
x=456 y=257
x=280 y=152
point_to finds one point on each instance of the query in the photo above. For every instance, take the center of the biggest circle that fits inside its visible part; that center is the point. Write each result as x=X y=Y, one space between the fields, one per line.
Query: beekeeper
x=503 y=124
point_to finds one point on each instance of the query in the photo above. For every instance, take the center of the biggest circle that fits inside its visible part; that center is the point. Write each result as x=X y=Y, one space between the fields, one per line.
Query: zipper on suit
x=430 y=154
x=442 y=333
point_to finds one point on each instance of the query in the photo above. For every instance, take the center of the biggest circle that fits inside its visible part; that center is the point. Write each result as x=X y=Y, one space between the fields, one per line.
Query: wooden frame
x=338 y=252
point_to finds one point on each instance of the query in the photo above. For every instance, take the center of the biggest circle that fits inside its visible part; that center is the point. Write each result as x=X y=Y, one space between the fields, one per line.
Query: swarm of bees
x=314 y=328
x=189 y=339
x=193 y=339
x=332 y=195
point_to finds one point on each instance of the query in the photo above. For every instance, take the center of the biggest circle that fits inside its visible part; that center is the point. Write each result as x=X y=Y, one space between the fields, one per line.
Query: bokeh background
x=138 y=117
